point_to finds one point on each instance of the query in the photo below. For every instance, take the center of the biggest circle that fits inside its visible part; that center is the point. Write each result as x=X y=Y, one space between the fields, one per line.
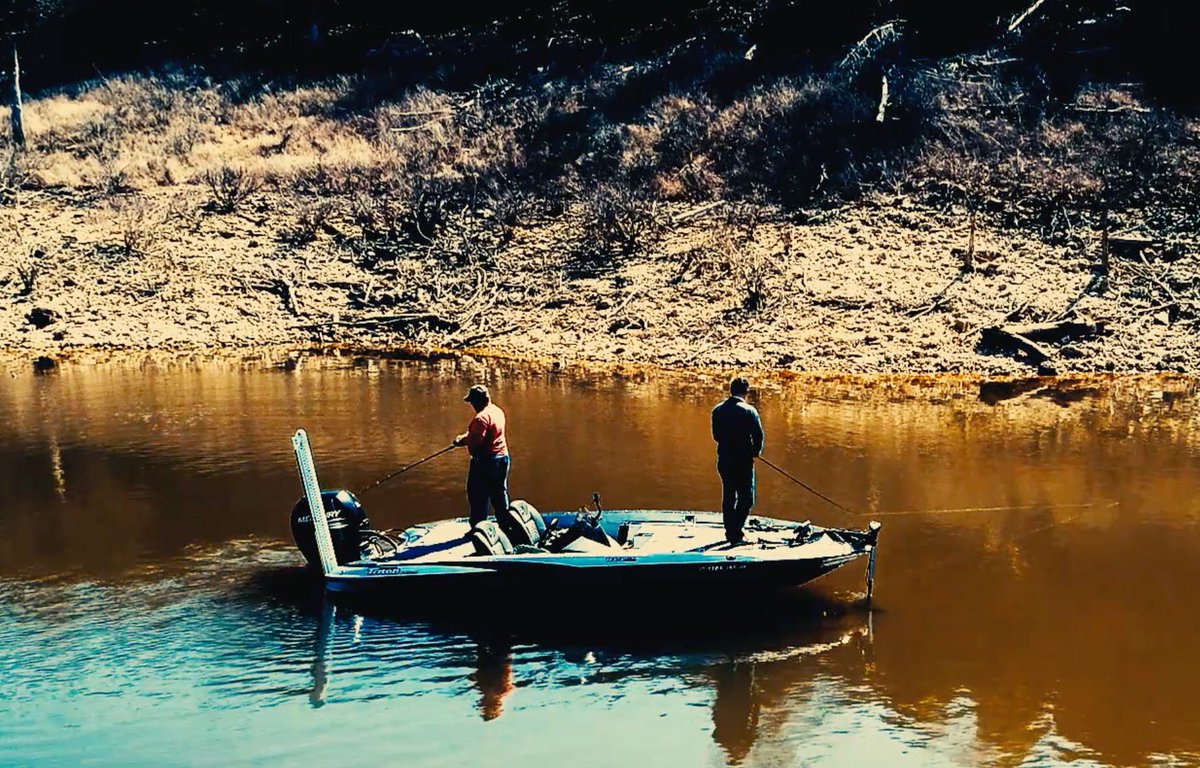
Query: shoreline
x=288 y=358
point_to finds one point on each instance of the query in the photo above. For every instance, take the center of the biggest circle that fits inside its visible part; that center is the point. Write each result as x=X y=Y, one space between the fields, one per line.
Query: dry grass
x=139 y=225
x=405 y=168
x=454 y=186
x=16 y=173
x=731 y=256
x=1057 y=166
x=27 y=272
x=26 y=261
x=230 y=186
x=310 y=219
x=617 y=220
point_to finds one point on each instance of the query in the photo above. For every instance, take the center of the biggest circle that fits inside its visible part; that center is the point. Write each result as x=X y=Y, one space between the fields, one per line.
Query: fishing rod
x=407 y=467
x=803 y=485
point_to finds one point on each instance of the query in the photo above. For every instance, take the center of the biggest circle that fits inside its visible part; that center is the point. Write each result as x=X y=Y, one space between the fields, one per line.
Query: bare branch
x=1028 y=12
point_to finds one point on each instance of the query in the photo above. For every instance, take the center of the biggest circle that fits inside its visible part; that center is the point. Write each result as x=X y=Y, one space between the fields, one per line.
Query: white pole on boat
x=316 y=507
x=874 y=545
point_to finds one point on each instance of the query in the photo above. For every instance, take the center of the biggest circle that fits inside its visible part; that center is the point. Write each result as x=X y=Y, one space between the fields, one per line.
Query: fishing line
x=407 y=467
x=952 y=557
x=941 y=511
x=1009 y=508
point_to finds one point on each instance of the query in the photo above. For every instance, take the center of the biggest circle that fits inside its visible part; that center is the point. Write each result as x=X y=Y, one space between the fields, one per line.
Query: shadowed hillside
x=869 y=186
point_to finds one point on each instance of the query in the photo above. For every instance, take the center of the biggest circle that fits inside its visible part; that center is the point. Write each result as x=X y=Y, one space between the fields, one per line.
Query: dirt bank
x=877 y=287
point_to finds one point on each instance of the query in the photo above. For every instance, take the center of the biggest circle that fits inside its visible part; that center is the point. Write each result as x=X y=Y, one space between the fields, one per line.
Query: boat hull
x=606 y=577
x=706 y=563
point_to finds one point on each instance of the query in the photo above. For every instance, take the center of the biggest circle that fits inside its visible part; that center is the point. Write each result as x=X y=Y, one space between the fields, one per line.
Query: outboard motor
x=348 y=524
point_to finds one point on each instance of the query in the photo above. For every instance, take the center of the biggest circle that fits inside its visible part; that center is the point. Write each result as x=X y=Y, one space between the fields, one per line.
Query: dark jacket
x=738 y=431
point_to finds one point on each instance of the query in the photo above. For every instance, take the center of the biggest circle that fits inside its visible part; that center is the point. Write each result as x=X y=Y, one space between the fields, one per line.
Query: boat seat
x=489 y=540
x=522 y=523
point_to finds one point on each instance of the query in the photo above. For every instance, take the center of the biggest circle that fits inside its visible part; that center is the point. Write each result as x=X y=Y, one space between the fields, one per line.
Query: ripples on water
x=151 y=610
x=238 y=658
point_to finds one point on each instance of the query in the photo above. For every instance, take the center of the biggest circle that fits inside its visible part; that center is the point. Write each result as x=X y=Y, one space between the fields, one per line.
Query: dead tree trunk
x=883 y=101
x=314 y=25
x=15 y=117
x=1105 y=252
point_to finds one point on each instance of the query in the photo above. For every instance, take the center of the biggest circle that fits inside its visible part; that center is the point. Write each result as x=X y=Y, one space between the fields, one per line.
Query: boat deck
x=649 y=533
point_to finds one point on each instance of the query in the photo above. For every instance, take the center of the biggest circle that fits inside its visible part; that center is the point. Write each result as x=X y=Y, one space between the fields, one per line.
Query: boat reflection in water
x=320 y=667
x=746 y=657
x=492 y=675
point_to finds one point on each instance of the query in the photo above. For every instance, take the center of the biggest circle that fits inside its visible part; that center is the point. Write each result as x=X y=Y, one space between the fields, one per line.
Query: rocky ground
x=885 y=285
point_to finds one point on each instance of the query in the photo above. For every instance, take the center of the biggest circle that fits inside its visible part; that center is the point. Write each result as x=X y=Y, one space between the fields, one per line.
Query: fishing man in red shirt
x=487 y=475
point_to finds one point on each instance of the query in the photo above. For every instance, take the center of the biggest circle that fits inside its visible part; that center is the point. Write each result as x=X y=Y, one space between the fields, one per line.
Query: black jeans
x=737 y=495
x=487 y=480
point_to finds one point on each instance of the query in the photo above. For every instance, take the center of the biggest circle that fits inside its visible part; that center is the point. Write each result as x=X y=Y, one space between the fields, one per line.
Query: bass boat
x=591 y=549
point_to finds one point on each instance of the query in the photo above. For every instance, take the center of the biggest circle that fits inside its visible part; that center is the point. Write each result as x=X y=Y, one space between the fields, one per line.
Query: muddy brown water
x=152 y=611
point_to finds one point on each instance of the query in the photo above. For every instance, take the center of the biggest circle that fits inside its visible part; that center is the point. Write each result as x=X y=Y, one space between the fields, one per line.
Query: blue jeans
x=737 y=495
x=487 y=481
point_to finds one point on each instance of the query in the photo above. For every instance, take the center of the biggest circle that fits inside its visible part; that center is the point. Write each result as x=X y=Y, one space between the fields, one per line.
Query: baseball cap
x=477 y=392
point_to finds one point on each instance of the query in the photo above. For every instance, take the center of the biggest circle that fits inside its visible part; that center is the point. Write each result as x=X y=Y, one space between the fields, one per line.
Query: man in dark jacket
x=738 y=432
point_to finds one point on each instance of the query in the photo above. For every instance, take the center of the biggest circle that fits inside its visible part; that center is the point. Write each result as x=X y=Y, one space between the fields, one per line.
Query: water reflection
x=774 y=675
x=493 y=676
x=144 y=560
x=735 y=709
x=785 y=638
x=320 y=667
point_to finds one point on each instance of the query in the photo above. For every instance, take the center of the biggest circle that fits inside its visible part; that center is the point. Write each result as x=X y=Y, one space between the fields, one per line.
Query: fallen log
x=470 y=341
x=940 y=299
x=422 y=112
x=1110 y=110
x=1058 y=332
x=997 y=339
x=440 y=116
x=1095 y=282
x=1130 y=243
x=865 y=49
x=699 y=210
x=1025 y=341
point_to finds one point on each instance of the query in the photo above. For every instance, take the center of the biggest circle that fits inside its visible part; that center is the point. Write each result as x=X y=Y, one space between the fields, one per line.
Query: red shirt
x=485 y=433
